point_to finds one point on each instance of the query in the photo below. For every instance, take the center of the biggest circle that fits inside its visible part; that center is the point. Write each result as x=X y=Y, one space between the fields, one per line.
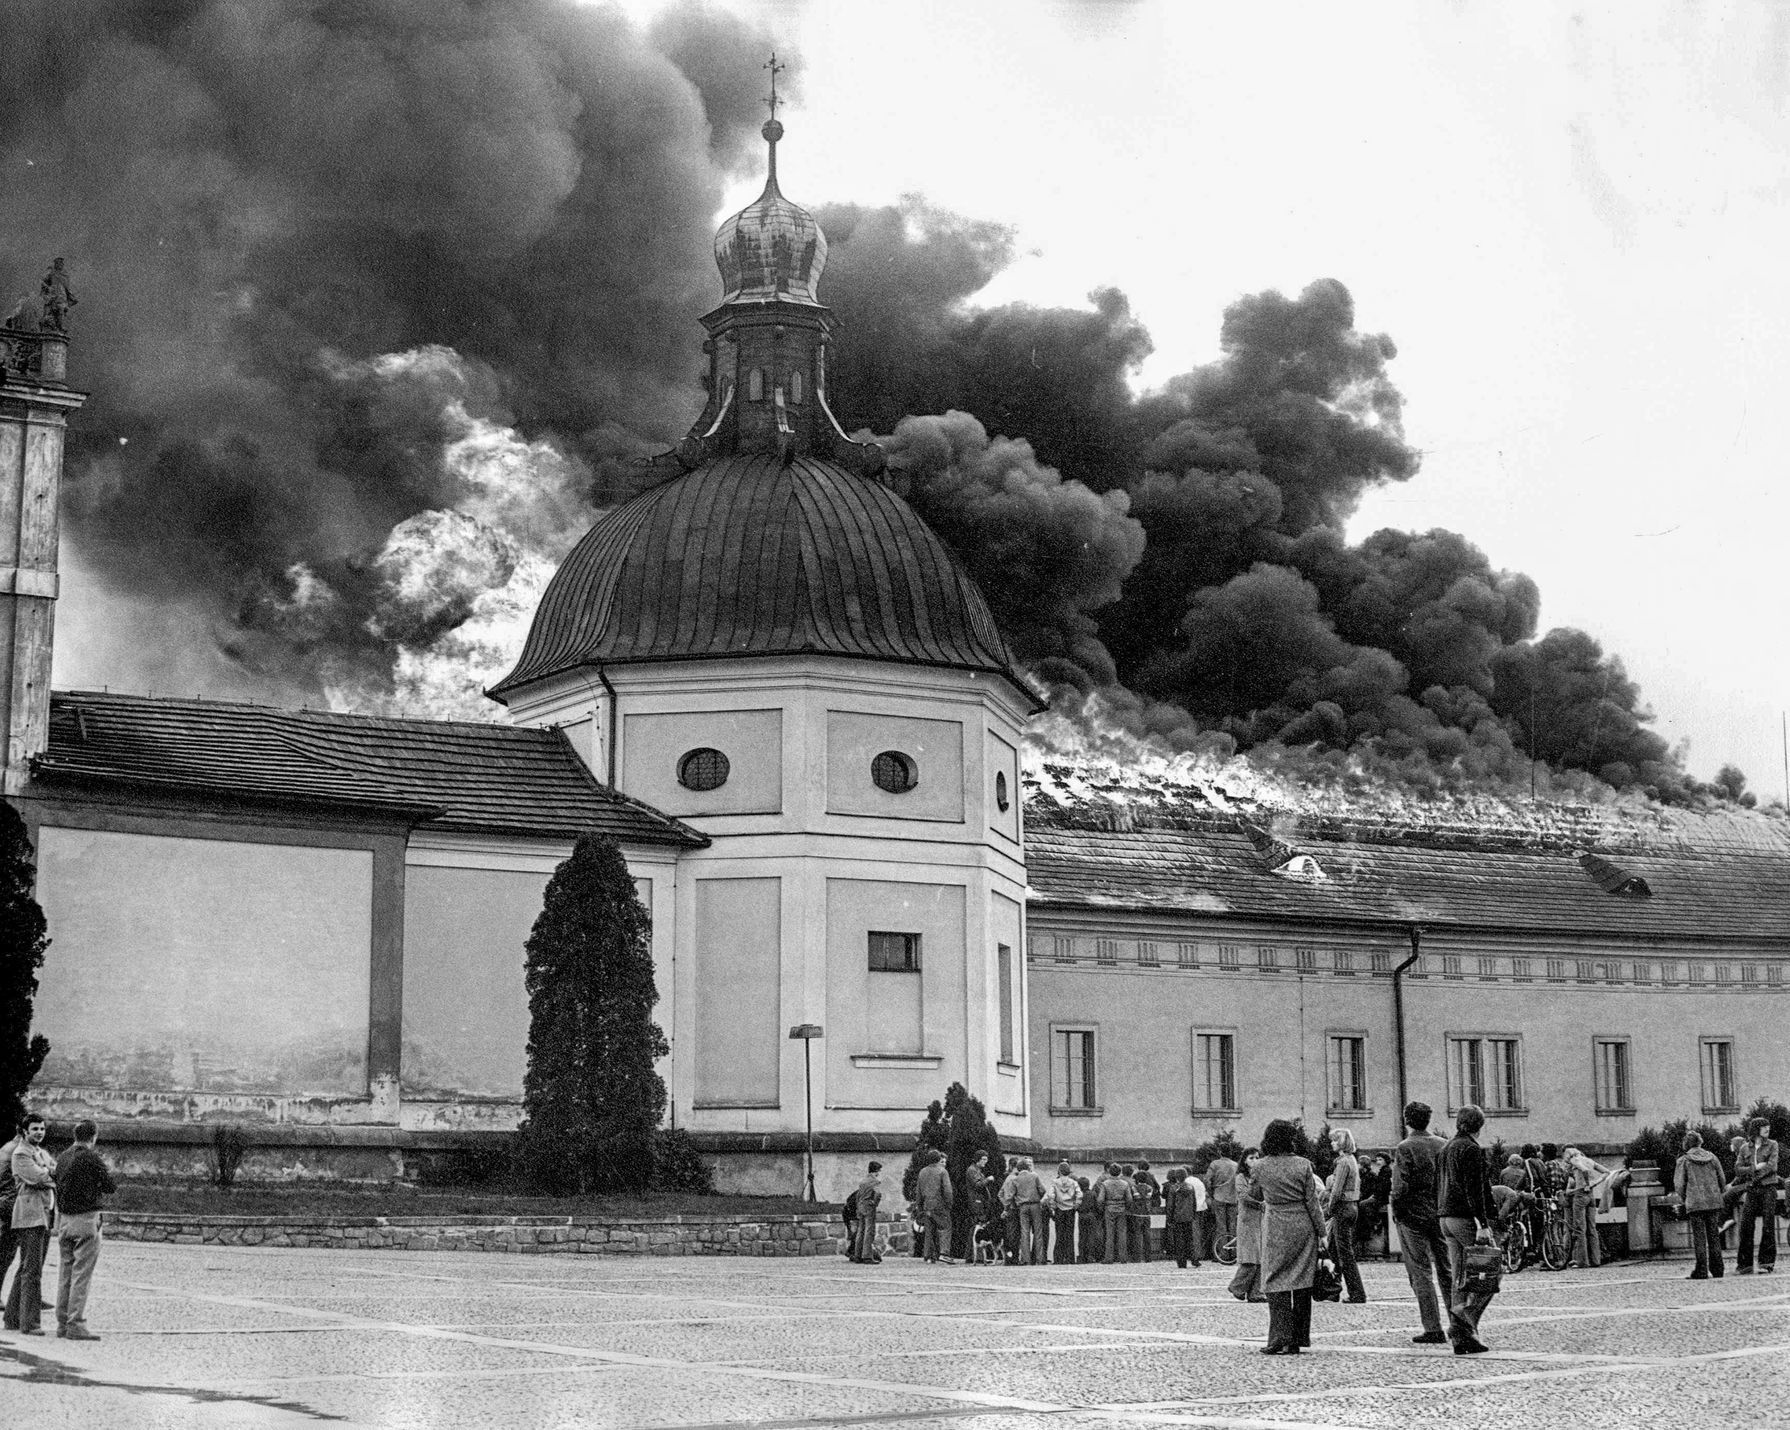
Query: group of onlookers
x=1712 y=1203
x=1451 y=1214
x=41 y=1195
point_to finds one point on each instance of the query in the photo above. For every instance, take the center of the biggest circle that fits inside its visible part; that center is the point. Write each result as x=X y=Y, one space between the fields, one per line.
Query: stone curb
x=784 y=1235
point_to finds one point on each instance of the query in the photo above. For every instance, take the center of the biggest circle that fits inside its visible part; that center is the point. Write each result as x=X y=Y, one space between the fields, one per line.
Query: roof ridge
x=287 y=711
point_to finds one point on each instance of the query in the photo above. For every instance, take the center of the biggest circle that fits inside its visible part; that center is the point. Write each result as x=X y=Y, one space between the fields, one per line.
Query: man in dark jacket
x=82 y=1184
x=933 y=1193
x=1420 y=1241
x=1464 y=1204
x=1760 y=1208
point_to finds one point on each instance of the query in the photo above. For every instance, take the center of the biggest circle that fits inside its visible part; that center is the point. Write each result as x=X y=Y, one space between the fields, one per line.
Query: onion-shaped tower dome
x=773 y=534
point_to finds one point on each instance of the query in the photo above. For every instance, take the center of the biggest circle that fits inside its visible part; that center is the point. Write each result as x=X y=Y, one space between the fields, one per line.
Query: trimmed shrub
x=591 y=1096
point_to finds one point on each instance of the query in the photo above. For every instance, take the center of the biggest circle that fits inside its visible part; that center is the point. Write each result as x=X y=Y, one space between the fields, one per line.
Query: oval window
x=894 y=772
x=1000 y=791
x=795 y=387
x=702 y=770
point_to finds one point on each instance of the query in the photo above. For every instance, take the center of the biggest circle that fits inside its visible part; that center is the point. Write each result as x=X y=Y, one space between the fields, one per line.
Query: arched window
x=1000 y=791
x=755 y=385
x=894 y=772
x=795 y=387
x=702 y=770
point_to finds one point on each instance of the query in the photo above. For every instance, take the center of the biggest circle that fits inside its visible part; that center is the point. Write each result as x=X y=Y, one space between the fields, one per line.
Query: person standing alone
x=33 y=1210
x=82 y=1184
x=1221 y=1176
x=870 y=1194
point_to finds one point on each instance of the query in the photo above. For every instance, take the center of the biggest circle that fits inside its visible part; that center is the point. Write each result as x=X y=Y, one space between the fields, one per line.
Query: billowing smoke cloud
x=378 y=299
x=367 y=292
x=1246 y=621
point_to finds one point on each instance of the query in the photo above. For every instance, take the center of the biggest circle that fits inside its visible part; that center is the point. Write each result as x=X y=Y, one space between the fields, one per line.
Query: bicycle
x=1556 y=1235
x=1517 y=1245
x=1225 y=1253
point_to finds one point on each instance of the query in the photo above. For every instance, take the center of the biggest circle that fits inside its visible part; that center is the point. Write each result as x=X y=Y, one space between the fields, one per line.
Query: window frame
x=1333 y=1104
x=1007 y=1003
x=1198 y=1069
x=1624 y=1074
x=915 y=946
x=1092 y=1031
x=1732 y=1106
x=1487 y=1070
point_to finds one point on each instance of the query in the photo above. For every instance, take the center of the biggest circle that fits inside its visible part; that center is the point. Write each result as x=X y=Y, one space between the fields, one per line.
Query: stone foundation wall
x=669 y=1236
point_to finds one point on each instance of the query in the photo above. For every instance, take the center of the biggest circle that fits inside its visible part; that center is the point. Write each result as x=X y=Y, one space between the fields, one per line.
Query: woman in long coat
x=1246 y=1285
x=1292 y=1230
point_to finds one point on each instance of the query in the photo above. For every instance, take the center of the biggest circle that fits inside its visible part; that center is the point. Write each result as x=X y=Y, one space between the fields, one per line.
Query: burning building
x=773 y=684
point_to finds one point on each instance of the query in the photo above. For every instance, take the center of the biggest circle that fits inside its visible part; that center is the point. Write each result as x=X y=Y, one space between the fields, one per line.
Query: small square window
x=1187 y=955
x=1520 y=970
x=1229 y=956
x=1451 y=965
x=1307 y=959
x=1063 y=949
x=1488 y=967
x=1106 y=950
x=1380 y=961
x=1342 y=961
x=1267 y=958
x=894 y=953
x=1147 y=954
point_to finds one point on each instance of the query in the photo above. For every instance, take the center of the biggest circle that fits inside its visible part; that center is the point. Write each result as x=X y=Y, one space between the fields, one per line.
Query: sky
x=1572 y=221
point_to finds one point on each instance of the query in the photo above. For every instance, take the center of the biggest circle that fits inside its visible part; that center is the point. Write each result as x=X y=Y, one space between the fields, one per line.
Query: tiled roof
x=457 y=776
x=749 y=556
x=1692 y=893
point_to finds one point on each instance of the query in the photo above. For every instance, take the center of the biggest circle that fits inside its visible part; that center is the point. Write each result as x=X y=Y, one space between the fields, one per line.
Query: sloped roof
x=454 y=775
x=748 y=555
x=1216 y=871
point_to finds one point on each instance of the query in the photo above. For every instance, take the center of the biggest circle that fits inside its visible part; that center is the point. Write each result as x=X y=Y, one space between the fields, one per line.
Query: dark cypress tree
x=591 y=1096
x=966 y=1133
x=23 y=939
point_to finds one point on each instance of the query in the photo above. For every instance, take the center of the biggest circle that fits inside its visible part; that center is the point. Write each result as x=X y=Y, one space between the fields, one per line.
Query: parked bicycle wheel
x=1556 y=1241
x=1516 y=1249
x=1227 y=1251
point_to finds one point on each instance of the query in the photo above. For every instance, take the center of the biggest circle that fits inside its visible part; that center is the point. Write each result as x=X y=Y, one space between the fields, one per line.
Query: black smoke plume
x=323 y=252
x=375 y=297
x=1245 y=619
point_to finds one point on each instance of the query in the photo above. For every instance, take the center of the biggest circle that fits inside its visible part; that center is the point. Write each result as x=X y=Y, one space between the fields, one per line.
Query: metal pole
x=1398 y=1014
x=808 y=1087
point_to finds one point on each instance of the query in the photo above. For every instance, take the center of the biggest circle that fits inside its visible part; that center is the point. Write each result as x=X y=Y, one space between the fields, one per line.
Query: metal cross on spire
x=776 y=69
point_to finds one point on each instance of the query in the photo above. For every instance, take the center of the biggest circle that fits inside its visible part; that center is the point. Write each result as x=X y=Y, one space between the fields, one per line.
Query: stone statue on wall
x=56 y=297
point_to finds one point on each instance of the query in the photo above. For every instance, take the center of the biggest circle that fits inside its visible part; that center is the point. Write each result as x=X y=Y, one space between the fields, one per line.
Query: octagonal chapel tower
x=772 y=646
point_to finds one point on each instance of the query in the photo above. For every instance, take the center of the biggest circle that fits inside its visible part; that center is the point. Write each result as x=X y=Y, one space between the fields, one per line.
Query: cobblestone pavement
x=231 y=1337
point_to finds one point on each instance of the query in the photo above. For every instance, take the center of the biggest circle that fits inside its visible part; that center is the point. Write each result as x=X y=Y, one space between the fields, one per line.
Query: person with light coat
x=1698 y=1182
x=1064 y=1198
x=1292 y=1231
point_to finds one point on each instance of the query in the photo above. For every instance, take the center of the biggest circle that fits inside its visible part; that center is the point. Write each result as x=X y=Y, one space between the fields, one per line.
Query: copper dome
x=749 y=556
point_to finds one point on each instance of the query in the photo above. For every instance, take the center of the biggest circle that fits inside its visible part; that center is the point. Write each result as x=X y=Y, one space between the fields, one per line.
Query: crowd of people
x=1292 y=1230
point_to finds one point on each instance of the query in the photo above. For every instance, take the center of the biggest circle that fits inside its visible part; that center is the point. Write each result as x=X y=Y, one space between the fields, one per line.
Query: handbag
x=1326 y=1285
x=1485 y=1269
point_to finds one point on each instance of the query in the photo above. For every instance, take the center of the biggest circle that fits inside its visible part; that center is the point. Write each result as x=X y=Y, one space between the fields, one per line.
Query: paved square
x=227 y=1337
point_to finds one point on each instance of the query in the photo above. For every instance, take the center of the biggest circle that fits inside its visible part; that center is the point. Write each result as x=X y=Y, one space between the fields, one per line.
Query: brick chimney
x=35 y=400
